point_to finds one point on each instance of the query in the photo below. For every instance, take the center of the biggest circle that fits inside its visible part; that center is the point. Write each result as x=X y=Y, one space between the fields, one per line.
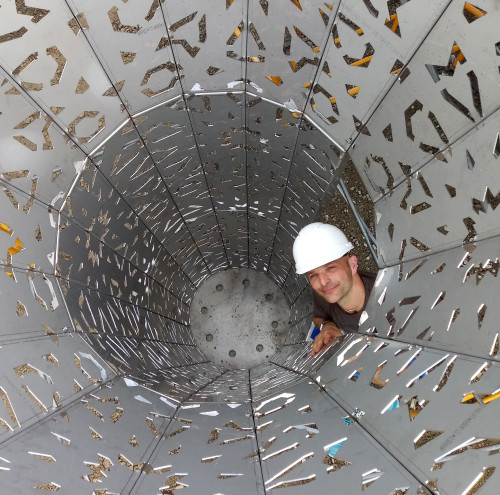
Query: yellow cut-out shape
x=17 y=248
x=307 y=84
x=471 y=399
x=353 y=91
x=13 y=249
x=362 y=61
x=459 y=57
x=395 y=24
x=474 y=10
x=5 y=228
x=275 y=79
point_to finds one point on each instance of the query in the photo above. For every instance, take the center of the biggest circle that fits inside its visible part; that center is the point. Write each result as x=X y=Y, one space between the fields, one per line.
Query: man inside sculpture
x=340 y=291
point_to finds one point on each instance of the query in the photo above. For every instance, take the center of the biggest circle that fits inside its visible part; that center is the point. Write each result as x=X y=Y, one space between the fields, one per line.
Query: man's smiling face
x=334 y=280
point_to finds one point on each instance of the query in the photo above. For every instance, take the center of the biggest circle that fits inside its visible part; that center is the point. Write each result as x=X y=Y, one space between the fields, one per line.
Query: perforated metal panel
x=147 y=145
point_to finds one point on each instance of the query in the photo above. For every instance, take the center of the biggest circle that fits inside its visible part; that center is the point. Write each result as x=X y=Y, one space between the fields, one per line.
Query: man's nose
x=323 y=279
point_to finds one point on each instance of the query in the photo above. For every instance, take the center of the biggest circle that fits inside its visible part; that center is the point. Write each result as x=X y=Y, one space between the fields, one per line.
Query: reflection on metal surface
x=147 y=147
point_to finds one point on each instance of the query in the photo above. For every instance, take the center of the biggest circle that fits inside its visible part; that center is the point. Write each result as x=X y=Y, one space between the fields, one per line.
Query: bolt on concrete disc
x=239 y=318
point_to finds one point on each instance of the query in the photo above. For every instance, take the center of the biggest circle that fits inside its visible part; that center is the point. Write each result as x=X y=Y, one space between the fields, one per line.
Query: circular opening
x=230 y=316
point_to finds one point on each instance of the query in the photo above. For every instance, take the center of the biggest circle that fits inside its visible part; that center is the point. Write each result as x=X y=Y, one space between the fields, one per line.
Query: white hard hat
x=318 y=244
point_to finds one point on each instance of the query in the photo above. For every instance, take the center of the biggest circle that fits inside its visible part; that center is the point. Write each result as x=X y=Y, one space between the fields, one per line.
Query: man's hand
x=330 y=331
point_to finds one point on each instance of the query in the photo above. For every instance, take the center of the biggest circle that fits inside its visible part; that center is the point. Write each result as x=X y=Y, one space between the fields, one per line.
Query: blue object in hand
x=313 y=331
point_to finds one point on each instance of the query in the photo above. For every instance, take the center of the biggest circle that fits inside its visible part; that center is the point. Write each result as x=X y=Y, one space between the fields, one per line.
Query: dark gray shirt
x=333 y=312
